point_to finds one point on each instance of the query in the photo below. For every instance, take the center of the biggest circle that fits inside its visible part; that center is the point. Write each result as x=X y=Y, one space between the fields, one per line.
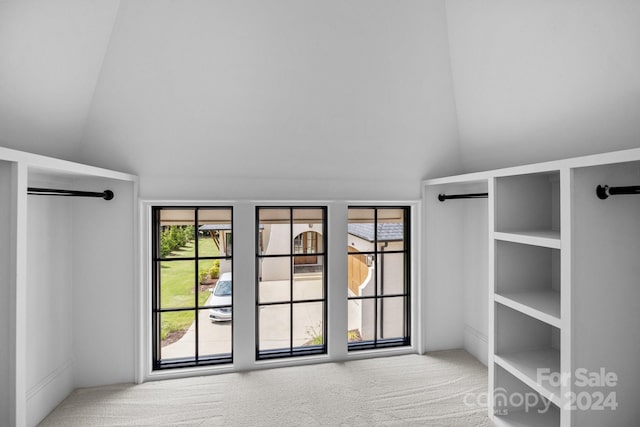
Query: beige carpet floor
x=440 y=389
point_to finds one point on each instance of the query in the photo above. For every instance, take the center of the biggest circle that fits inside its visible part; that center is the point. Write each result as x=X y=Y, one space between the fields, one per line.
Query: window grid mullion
x=291 y=269
x=156 y=284
x=375 y=277
x=196 y=286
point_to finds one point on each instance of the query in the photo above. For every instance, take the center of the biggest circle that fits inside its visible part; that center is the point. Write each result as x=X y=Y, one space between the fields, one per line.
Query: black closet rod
x=443 y=197
x=106 y=194
x=604 y=191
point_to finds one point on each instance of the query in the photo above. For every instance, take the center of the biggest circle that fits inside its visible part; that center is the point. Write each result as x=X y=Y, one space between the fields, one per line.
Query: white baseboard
x=475 y=343
x=43 y=397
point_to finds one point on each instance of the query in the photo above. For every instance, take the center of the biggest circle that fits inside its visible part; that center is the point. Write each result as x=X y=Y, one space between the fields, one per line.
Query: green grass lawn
x=178 y=286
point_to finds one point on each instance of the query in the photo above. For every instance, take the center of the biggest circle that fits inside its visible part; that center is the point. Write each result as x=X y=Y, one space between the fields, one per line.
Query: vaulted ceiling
x=542 y=80
x=51 y=54
x=327 y=95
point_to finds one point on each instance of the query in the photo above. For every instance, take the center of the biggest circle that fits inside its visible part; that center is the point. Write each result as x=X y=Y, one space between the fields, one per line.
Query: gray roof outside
x=387 y=232
x=216 y=227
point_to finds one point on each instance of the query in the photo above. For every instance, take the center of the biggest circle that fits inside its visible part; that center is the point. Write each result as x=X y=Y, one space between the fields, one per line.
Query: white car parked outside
x=221 y=299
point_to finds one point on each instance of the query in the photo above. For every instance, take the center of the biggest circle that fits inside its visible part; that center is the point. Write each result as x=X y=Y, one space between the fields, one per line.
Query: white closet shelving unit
x=527 y=250
x=562 y=284
x=67 y=283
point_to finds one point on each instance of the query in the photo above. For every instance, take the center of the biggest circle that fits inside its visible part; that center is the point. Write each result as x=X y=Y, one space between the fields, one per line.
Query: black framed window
x=192 y=296
x=378 y=288
x=291 y=288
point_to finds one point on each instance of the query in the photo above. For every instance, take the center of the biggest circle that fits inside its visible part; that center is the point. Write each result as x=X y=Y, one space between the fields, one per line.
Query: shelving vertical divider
x=566 y=270
x=18 y=411
x=491 y=341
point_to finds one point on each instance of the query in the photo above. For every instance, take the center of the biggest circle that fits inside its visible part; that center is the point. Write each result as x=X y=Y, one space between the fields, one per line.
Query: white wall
x=276 y=99
x=455 y=304
x=49 y=352
x=443 y=300
x=605 y=295
x=104 y=285
x=475 y=255
x=543 y=80
x=5 y=292
x=50 y=57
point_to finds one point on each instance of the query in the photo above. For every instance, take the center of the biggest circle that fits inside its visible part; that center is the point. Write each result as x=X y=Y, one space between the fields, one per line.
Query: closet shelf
x=532 y=418
x=541 y=305
x=524 y=366
x=545 y=238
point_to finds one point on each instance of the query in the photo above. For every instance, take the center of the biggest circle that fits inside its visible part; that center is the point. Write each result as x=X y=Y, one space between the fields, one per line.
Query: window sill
x=194 y=371
x=282 y=362
x=381 y=352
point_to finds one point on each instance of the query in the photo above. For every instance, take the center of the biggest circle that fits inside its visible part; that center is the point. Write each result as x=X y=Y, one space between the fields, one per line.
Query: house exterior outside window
x=291 y=306
x=378 y=288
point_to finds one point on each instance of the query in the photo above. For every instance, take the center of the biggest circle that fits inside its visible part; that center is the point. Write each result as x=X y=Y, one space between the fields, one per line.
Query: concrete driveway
x=215 y=338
